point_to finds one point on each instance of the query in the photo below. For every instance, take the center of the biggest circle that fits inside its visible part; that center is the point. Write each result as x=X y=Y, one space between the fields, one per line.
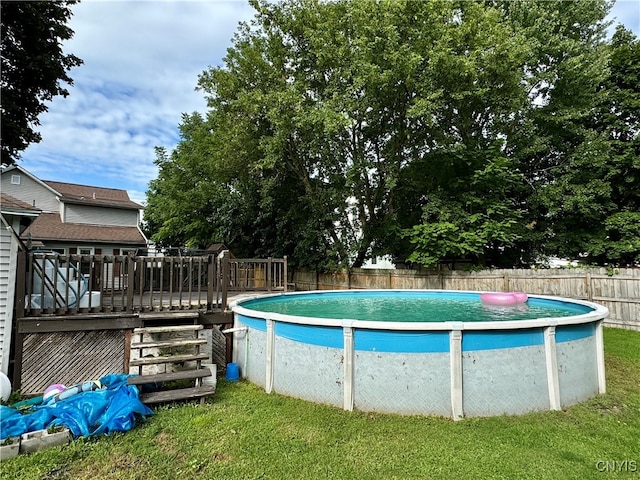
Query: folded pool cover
x=110 y=409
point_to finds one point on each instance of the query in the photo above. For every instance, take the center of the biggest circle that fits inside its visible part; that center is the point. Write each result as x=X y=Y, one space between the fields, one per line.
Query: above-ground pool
x=429 y=352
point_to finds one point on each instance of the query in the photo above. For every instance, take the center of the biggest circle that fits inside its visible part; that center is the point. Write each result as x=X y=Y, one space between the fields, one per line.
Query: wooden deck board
x=168 y=377
x=173 y=328
x=177 y=394
x=167 y=359
x=169 y=343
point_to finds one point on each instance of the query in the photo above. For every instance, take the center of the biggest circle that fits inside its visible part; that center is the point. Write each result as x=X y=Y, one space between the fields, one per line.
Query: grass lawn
x=246 y=434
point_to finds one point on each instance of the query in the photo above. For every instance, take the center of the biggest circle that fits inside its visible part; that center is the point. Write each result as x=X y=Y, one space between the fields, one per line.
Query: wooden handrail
x=133 y=284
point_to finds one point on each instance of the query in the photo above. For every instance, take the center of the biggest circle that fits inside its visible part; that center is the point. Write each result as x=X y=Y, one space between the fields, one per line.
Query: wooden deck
x=53 y=284
x=63 y=339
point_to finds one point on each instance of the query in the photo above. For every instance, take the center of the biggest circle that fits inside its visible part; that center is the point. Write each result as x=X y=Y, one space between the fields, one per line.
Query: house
x=75 y=219
x=384 y=262
x=13 y=214
x=66 y=218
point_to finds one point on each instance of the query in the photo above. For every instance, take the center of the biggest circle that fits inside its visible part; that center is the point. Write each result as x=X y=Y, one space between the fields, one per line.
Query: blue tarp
x=110 y=409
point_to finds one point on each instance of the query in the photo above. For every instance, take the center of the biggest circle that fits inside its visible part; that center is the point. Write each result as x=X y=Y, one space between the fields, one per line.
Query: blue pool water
x=411 y=306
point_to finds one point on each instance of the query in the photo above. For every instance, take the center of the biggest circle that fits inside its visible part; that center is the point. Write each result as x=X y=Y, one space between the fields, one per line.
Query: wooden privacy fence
x=54 y=284
x=618 y=290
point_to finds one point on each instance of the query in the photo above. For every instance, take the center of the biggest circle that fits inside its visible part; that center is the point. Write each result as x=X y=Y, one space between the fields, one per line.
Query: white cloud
x=141 y=63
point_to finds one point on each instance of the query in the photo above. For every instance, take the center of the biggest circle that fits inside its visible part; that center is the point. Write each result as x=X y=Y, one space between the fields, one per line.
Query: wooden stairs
x=173 y=352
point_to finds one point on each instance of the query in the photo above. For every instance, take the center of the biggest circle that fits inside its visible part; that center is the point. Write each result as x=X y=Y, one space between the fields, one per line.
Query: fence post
x=225 y=278
x=285 y=274
x=211 y=280
x=21 y=283
x=131 y=282
x=267 y=274
x=506 y=281
x=141 y=274
x=588 y=287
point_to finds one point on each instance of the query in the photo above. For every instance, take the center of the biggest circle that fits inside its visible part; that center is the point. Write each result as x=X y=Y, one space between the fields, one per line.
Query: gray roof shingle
x=49 y=227
x=73 y=193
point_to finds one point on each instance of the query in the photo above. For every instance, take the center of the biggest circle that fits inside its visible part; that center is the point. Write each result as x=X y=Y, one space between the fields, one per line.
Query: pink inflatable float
x=504 y=298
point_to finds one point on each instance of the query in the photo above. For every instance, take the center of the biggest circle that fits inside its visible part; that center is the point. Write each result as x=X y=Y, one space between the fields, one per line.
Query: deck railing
x=253 y=274
x=55 y=284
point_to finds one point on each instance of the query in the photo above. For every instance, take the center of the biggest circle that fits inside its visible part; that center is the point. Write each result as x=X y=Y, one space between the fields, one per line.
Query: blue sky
x=141 y=63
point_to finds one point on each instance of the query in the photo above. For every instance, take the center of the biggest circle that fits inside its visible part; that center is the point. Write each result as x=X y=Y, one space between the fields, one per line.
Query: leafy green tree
x=461 y=177
x=468 y=224
x=33 y=65
x=354 y=97
x=592 y=207
x=562 y=76
x=199 y=198
x=341 y=130
x=531 y=70
x=287 y=110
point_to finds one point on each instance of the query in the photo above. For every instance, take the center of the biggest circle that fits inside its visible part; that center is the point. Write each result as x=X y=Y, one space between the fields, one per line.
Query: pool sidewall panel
x=249 y=352
x=309 y=372
x=577 y=370
x=256 y=360
x=508 y=381
x=405 y=383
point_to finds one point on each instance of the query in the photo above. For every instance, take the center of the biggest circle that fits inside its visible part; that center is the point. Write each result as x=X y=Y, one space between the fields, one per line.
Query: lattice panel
x=218 y=347
x=69 y=358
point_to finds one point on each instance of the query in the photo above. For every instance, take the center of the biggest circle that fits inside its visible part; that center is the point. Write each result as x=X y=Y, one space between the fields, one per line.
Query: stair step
x=177 y=394
x=169 y=343
x=168 y=377
x=173 y=328
x=189 y=315
x=167 y=359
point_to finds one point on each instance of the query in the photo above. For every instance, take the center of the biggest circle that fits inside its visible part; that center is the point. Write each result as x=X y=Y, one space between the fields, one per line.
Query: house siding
x=99 y=216
x=30 y=191
x=97 y=248
x=8 y=258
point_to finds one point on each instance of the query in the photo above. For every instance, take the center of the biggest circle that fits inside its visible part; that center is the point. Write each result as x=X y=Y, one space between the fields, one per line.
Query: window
x=85 y=264
x=15 y=179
